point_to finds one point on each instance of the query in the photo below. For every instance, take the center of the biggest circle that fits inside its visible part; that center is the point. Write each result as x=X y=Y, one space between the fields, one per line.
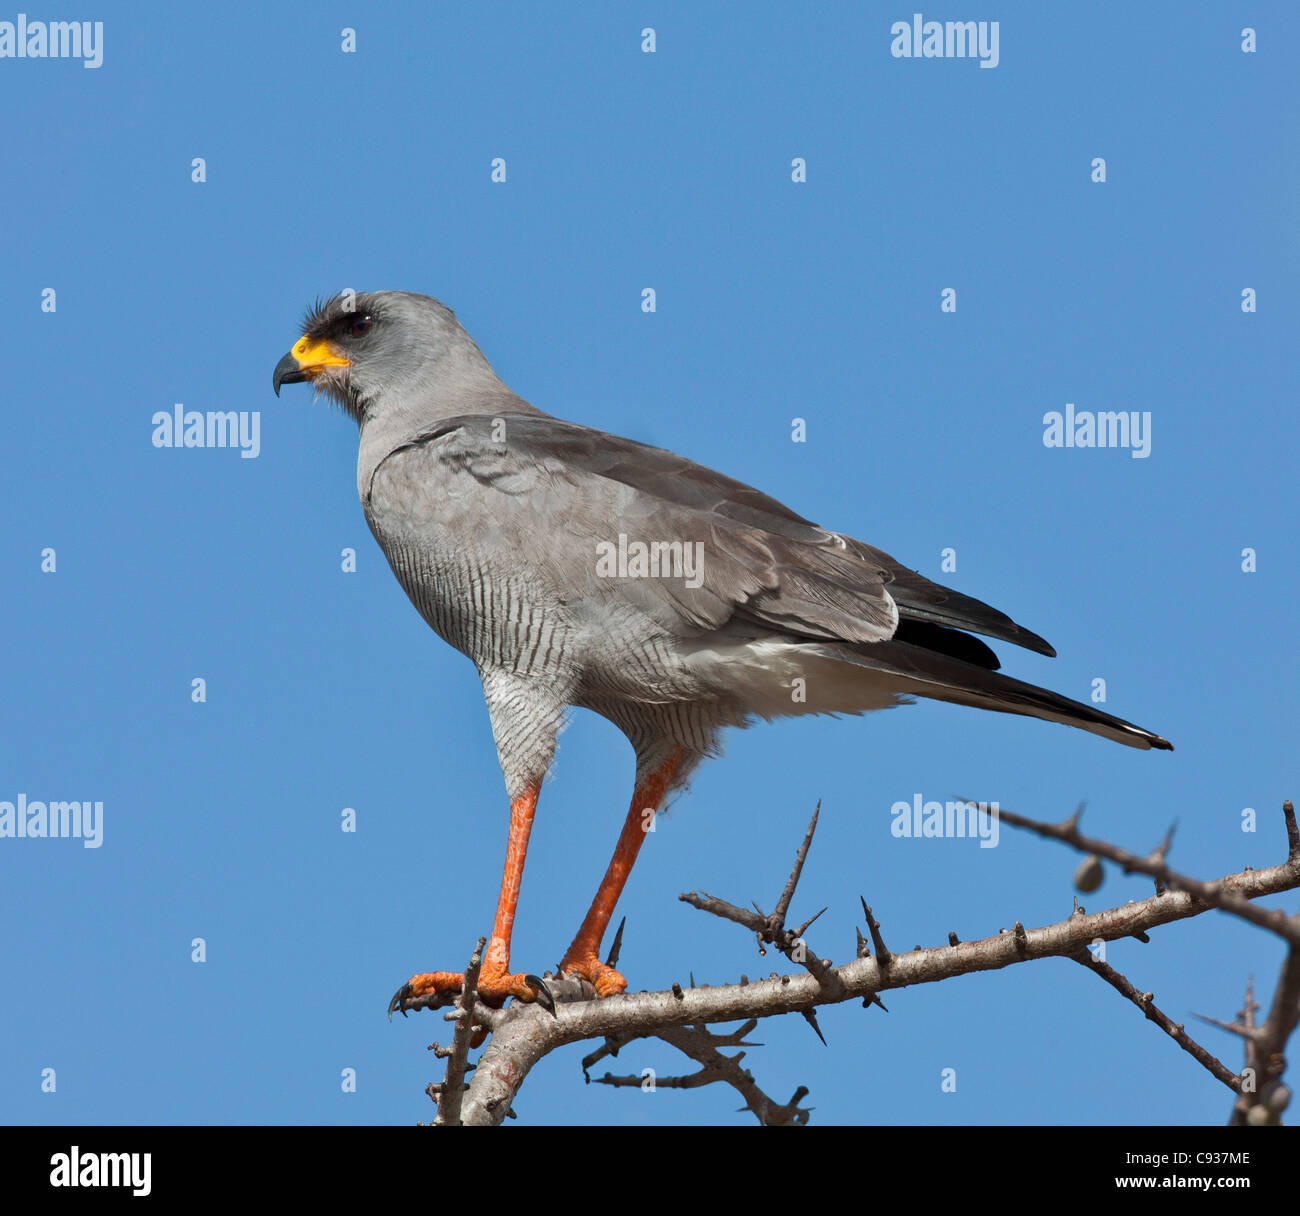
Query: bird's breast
x=497 y=617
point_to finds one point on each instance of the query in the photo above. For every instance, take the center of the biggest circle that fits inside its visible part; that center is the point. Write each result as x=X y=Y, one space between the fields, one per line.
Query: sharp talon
x=545 y=997
x=396 y=1003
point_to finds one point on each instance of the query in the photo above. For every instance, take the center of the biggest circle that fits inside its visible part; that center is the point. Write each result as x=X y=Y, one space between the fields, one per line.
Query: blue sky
x=775 y=300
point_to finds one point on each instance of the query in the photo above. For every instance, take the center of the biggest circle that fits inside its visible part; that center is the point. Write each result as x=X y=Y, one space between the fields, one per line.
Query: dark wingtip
x=1031 y=641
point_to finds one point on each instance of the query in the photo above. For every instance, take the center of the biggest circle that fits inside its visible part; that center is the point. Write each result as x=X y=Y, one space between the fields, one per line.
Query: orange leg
x=495 y=982
x=583 y=957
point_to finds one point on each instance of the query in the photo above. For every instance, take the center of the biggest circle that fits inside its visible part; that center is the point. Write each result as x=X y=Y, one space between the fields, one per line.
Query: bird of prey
x=578 y=568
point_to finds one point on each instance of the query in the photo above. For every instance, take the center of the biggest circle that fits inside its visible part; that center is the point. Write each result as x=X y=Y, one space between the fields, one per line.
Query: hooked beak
x=308 y=357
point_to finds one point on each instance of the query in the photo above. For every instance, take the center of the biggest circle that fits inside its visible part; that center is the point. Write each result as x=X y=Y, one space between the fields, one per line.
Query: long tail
x=919 y=671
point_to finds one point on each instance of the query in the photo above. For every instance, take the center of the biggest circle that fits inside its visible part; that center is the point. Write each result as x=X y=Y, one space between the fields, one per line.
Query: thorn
x=612 y=960
x=799 y=932
x=783 y=904
x=1163 y=848
x=810 y=1016
x=873 y=927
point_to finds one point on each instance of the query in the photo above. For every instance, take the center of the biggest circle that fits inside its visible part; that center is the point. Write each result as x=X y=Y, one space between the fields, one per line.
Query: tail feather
x=919 y=671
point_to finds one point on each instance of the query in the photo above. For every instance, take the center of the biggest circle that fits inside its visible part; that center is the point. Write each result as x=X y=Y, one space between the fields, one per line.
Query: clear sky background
x=775 y=301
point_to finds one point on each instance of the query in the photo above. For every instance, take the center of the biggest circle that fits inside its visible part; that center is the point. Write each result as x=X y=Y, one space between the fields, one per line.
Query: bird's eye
x=360 y=326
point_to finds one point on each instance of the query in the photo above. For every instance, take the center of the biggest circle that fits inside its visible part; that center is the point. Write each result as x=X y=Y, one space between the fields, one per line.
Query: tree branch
x=523 y=1033
x=1145 y=1002
x=450 y=1093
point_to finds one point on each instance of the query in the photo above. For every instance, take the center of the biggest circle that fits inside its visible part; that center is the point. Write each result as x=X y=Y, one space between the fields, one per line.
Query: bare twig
x=771 y=928
x=1292 y=832
x=1145 y=1002
x=701 y=1045
x=452 y=1090
x=1266 y=1044
x=1211 y=894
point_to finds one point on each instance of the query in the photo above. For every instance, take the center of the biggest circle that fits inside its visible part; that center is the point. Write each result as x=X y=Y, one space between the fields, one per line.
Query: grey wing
x=571 y=504
x=560 y=491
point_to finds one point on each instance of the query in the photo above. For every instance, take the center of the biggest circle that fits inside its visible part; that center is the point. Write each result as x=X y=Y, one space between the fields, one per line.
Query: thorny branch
x=1218 y=894
x=1145 y=1001
x=449 y=1093
x=701 y=1045
x=523 y=1034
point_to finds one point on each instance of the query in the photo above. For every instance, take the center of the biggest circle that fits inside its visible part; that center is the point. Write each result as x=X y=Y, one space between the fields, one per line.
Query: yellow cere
x=316 y=352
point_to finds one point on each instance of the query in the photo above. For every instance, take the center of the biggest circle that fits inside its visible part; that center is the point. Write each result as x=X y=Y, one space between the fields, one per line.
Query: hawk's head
x=365 y=349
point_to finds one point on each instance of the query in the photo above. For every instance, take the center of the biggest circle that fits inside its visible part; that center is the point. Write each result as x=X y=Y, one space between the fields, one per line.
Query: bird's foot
x=601 y=976
x=495 y=985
